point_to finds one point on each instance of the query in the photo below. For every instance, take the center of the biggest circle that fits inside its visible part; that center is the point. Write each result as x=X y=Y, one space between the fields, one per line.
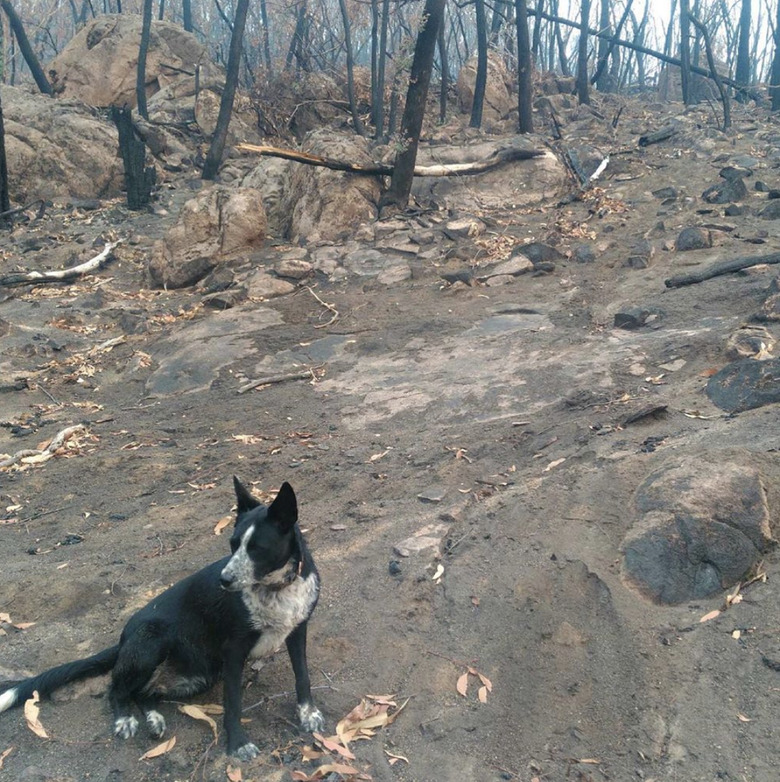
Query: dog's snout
x=226 y=579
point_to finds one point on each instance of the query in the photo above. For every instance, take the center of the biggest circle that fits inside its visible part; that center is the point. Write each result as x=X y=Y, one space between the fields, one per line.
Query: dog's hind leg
x=138 y=659
x=310 y=716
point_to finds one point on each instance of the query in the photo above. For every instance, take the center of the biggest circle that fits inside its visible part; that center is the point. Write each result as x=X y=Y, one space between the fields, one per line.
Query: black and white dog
x=207 y=625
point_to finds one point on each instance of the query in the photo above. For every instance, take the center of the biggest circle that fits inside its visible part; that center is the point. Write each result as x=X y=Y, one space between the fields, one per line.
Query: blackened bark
x=724 y=96
x=742 y=74
x=482 y=65
x=445 y=74
x=140 y=80
x=139 y=179
x=186 y=12
x=25 y=48
x=5 y=202
x=582 y=54
x=217 y=148
x=525 y=122
x=266 y=38
x=685 y=51
x=350 y=69
x=604 y=53
x=411 y=124
x=774 y=87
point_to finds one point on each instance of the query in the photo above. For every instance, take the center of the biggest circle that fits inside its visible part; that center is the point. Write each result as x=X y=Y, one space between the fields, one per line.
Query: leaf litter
x=361 y=724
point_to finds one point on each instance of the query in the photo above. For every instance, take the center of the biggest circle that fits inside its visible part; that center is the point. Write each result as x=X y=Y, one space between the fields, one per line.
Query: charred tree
x=25 y=48
x=525 y=123
x=139 y=178
x=414 y=110
x=685 y=51
x=582 y=54
x=608 y=84
x=742 y=75
x=186 y=12
x=5 y=201
x=482 y=65
x=350 y=69
x=445 y=73
x=724 y=96
x=140 y=80
x=217 y=148
x=774 y=86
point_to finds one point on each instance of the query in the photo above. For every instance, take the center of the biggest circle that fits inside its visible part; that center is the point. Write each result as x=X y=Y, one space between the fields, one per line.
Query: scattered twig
x=271 y=379
x=59 y=275
x=41 y=209
x=59 y=439
x=328 y=307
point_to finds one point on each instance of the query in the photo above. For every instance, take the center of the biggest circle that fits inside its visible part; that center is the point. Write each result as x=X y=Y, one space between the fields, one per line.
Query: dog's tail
x=51 y=680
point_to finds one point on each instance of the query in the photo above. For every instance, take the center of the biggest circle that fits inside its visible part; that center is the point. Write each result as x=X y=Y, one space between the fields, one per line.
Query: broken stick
x=717 y=269
x=59 y=275
x=498 y=158
x=44 y=454
x=271 y=379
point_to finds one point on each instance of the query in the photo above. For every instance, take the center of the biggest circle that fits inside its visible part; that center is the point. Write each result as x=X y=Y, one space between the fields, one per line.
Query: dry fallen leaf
x=393 y=758
x=736 y=634
x=710 y=615
x=439 y=573
x=482 y=694
x=31 y=711
x=4 y=754
x=160 y=749
x=234 y=774
x=554 y=464
x=484 y=679
x=221 y=524
x=333 y=745
x=462 y=685
x=742 y=718
x=198 y=714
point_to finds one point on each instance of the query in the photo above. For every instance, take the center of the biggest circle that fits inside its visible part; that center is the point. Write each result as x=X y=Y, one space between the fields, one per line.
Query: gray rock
x=693 y=238
x=293 y=268
x=666 y=192
x=635 y=317
x=516 y=265
x=735 y=172
x=394 y=274
x=771 y=211
x=761 y=186
x=463 y=227
x=583 y=253
x=745 y=385
x=704 y=523
x=736 y=210
x=640 y=254
x=432 y=494
x=539 y=252
x=427 y=538
x=725 y=192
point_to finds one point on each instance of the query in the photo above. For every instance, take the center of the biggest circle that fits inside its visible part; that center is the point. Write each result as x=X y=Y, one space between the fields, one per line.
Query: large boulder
x=324 y=205
x=215 y=226
x=99 y=66
x=271 y=176
x=704 y=523
x=100 y=63
x=58 y=149
x=499 y=101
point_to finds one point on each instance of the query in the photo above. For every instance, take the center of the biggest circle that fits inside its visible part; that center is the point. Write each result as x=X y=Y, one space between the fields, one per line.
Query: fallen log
x=717 y=269
x=659 y=135
x=498 y=158
x=59 y=275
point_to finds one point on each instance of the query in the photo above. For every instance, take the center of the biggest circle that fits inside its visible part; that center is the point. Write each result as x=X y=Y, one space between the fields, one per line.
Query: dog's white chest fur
x=275 y=614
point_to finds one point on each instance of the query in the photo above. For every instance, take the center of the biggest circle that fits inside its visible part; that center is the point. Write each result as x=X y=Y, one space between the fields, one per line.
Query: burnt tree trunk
x=774 y=86
x=742 y=74
x=25 y=48
x=445 y=73
x=582 y=54
x=525 y=122
x=140 y=80
x=482 y=65
x=217 y=148
x=186 y=12
x=5 y=201
x=685 y=51
x=609 y=85
x=139 y=179
x=350 y=69
x=411 y=124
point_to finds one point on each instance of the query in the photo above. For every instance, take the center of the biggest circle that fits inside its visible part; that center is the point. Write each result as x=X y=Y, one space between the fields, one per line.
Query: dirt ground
x=493 y=414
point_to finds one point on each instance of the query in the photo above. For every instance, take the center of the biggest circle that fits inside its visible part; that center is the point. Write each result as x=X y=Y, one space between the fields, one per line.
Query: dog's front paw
x=125 y=727
x=310 y=717
x=246 y=752
x=155 y=722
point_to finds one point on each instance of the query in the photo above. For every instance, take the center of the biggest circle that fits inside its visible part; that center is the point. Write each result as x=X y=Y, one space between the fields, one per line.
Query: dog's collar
x=290 y=577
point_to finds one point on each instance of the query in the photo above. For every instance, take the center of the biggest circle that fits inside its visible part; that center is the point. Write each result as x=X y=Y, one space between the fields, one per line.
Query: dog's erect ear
x=284 y=509
x=245 y=500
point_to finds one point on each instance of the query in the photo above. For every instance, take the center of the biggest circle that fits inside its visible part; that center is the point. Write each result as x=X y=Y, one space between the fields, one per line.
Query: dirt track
x=503 y=405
